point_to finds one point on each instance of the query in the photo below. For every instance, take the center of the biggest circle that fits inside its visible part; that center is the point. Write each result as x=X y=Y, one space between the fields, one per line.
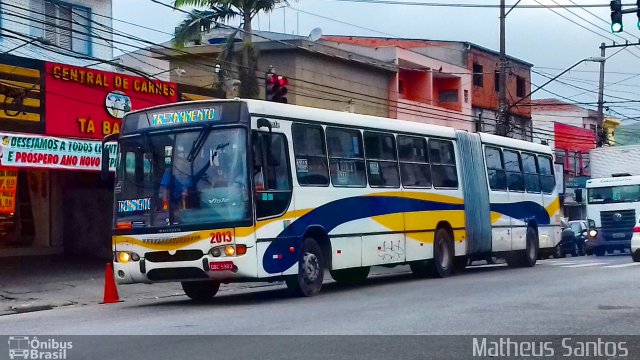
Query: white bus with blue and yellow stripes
x=220 y=191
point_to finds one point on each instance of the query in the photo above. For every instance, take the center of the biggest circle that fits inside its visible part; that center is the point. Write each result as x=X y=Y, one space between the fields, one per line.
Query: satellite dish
x=315 y=34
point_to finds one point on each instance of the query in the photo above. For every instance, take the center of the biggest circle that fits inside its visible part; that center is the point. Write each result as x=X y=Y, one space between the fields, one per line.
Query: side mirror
x=104 y=169
x=585 y=232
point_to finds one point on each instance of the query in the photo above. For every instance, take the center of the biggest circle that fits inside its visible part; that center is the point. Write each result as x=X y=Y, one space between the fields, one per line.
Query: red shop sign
x=89 y=103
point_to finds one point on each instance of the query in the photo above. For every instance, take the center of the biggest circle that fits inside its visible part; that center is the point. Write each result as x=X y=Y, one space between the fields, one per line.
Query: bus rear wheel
x=529 y=256
x=308 y=281
x=200 y=291
x=443 y=260
x=351 y=276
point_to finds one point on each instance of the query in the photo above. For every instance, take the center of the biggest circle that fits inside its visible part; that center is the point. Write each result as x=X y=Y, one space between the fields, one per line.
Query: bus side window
x=272 y=172
x=414 y=162
x=495 y=169
x=346 y=158
x=311 y=155
x=547 y=180
x=382 y=166
x=515 y=179
x=531 y=178
x=443 y=164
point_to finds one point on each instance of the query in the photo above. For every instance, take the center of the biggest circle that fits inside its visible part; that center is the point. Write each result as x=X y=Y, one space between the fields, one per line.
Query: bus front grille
x=180 y=255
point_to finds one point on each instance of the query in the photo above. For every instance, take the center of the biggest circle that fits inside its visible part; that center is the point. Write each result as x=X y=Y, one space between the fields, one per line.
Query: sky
x=551 y=39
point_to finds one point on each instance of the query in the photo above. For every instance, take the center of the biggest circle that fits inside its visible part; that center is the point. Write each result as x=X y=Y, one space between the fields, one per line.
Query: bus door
x=272 y=192
x=533 y=192
x=549 y=235
x=515 y=184
x=499 y=198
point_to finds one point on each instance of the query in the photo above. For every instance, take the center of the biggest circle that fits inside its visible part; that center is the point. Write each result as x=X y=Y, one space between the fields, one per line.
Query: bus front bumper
x=225 y=269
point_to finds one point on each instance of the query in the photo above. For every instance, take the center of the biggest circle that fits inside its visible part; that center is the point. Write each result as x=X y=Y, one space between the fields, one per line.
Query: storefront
x=54 y=115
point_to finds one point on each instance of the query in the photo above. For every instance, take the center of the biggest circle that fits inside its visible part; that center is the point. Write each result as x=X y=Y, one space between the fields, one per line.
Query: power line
x=467 y=5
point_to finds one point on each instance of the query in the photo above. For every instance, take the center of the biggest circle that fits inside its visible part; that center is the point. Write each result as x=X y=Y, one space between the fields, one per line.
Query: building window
x=448 y=97
x=496 y=81
x=64 y=25
x=520 y=86
x=478 y=75
x=593 y=127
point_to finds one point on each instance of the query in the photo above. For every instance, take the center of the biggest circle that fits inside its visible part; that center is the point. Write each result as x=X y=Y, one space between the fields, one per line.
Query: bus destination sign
x=185 y=116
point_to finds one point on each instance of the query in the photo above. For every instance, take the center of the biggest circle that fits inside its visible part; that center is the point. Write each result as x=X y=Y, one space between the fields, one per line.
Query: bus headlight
x=593 y=233
x=124 y=257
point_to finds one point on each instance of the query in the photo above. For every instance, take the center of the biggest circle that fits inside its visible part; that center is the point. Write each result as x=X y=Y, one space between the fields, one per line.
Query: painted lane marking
x=622 y=265
x=487 y=266
x=585 y=265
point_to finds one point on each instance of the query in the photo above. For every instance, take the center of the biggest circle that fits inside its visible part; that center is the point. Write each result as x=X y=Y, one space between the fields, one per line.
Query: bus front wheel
x=310 y=275
x=200 y=290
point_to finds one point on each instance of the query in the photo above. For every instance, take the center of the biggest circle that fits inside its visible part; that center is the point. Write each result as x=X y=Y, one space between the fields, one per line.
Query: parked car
x=572 y=240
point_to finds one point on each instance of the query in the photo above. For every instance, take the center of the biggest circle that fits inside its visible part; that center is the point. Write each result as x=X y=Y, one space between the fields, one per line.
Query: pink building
x=424 y=89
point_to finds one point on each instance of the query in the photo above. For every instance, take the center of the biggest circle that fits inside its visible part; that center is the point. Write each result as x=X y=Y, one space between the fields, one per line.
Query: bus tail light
x=636 y=229
x=241 y=249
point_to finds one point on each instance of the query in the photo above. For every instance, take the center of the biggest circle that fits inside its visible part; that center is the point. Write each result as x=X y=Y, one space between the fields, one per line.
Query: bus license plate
x=221 y=266
x=618 y=235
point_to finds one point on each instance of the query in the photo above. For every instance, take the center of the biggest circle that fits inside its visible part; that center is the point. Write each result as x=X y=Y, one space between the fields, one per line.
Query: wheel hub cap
x=311 y=267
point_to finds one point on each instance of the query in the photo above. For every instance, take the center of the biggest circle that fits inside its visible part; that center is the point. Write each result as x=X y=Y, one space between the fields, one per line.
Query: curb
x=27 y=308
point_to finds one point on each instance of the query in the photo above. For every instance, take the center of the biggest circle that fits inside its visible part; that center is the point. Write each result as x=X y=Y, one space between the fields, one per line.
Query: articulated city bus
x=211 y=192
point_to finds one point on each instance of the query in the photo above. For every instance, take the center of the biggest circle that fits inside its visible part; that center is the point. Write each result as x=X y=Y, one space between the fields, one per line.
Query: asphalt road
x=572 y=296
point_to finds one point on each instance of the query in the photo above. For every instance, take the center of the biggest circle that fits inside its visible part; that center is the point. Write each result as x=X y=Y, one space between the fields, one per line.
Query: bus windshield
x=614 y=194
x=194 y=176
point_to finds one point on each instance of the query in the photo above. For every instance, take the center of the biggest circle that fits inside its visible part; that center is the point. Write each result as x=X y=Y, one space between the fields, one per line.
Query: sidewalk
x=46 y=282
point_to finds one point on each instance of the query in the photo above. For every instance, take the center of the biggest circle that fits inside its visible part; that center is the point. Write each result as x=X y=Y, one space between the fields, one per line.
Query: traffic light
x=616 y=16
x=275 y=88
x=281 y=95
x=270 y=86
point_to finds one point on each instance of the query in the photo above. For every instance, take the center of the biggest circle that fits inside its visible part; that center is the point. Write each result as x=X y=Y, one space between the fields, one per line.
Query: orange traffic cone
x=110 y=289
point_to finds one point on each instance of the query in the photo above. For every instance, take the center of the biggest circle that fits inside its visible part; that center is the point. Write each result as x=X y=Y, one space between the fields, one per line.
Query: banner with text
x=20 y=150
x=88 y=103
x=8 y=187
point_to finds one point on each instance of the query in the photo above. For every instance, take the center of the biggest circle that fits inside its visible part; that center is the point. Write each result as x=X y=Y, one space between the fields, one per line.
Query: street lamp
x=598 y=59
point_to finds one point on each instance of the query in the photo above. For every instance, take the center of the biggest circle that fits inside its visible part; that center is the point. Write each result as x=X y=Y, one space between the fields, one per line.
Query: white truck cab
x=613 y=211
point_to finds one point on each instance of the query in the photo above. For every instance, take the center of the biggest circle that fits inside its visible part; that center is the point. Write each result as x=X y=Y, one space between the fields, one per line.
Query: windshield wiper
x=198 y=143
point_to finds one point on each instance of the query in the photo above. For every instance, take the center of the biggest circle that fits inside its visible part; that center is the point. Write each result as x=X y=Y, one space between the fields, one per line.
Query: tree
x=197 y=21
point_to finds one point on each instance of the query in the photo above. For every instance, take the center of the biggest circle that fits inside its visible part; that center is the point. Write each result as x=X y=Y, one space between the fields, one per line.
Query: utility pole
x=600 y=135
x=502 y=126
